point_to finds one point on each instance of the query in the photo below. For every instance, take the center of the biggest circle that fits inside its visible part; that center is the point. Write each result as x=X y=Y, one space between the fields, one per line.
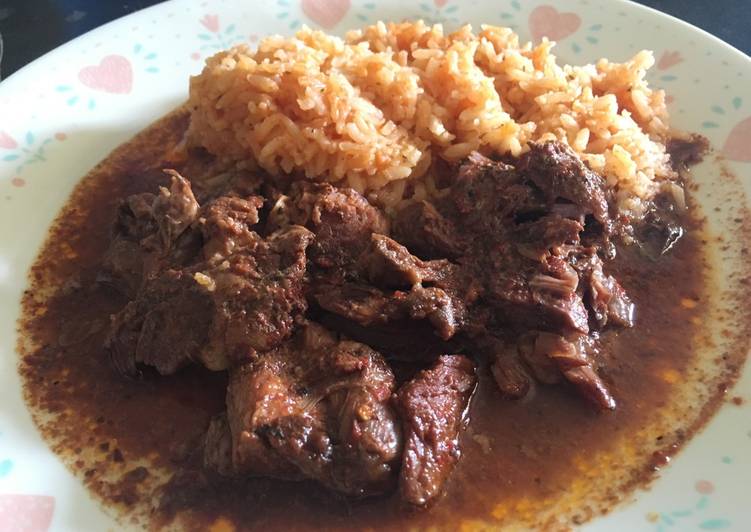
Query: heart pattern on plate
x=113 y=74
x=547 y=21
x=7 y=142
x=326 y=13
x=669 y=58
x=26 y=513
x=738 y=144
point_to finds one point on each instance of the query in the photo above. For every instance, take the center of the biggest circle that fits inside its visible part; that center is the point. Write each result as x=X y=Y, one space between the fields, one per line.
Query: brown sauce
x=522 y=463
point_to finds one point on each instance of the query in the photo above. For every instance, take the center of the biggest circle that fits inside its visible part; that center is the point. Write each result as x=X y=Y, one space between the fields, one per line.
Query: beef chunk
x=514 y=246
x=546 y=236
x=546 y=352
x=424 y=230
x=314 y=408
x=226 y=224
x=367 y=305
x=360 y=303
x=342 y=220
x=607 y=299
x=216 y=314
x=174 y=209
x=561 y=175
x=165 y=327
x=387 y=263
x=151 y=232
x=523 y=304
x=258 y=294
x=509 y=374
x=433 y=407
x=532 y=351
x=487 y=196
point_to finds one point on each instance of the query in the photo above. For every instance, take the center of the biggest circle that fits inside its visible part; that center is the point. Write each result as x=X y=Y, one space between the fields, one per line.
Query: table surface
x=30 y=28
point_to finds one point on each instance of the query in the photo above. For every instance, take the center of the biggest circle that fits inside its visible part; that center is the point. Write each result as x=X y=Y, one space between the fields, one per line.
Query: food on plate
x=406 y=269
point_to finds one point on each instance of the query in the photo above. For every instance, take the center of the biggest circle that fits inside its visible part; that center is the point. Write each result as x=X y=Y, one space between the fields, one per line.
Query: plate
x=63 y=113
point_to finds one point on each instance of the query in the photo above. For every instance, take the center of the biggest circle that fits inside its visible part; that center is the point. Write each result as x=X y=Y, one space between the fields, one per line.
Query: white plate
x=64 y=112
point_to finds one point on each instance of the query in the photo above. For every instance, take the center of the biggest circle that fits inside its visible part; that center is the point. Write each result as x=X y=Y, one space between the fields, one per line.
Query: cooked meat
x=258 y=294
x=215 y=313
x=428 y=233
x=226 y=224
x=366 y=305
x=434 y=409
x=509 y=376
x=444 y=312
x=512 y=380
x=487 y=198
x=147 y=233
x=313 y=408
x=561 y=175
x=516 y=250
x=532 y=351
x=166 y=326
x=341 y=219
x=509 y=262
x=522 y=306
x=174 y=209
x=572 y=360
x=605 y=296
x=360 y=303
x=548 y=235
x=388 y=264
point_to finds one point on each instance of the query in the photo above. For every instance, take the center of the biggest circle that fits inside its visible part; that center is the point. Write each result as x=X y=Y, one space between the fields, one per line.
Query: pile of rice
x=373 y=110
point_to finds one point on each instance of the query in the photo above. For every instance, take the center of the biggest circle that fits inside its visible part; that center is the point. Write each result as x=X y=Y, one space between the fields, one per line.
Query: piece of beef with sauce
x=258 y=296
x=313 y=408
x=509 y=374
x=165 y=327
x=434 y=408
x=388 y=264
x=250 y=289
x=605 y=297
x=390 y=284
x=551 y=357
x=367 y=305
x=425 y=231
x=522 y=227
x=341 y=218
x=514 y=243
x=226 y=223
x=151 y=232
x=358 y=271
x=561 y=175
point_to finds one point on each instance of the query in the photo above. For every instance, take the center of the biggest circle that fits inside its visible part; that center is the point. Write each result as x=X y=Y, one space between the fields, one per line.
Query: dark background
x=30 y=28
